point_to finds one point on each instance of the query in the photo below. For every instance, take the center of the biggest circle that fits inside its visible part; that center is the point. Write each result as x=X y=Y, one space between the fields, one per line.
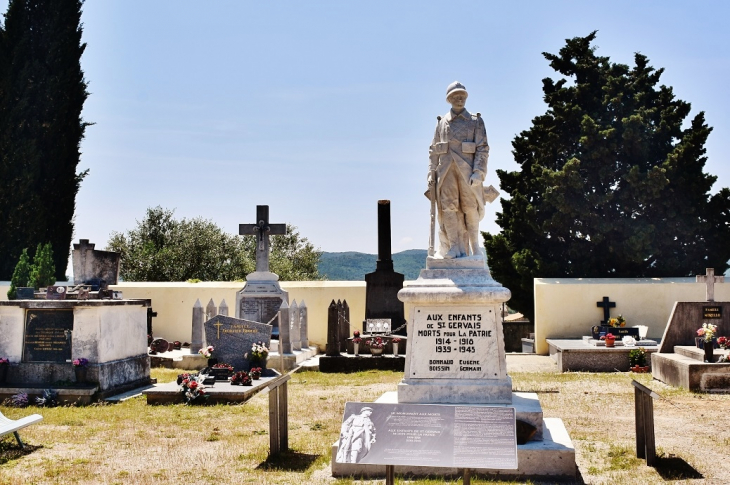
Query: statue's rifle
x=432 y=235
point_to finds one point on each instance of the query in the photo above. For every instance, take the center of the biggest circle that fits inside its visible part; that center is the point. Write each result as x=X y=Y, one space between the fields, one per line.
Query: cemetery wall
x=566 y=307
x=174 y=302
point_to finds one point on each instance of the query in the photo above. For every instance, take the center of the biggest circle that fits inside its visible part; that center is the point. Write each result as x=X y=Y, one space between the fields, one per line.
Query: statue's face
x=458 y=100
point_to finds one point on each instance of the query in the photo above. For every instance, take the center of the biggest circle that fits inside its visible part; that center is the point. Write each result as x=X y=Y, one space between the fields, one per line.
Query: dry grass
x=132 y=443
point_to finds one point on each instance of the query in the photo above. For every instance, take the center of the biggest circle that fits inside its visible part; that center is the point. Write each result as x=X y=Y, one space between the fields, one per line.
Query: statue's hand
x=430 y=179
x=475 y=180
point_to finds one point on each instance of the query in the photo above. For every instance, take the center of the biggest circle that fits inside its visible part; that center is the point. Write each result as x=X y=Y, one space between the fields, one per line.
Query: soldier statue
x=458 y=165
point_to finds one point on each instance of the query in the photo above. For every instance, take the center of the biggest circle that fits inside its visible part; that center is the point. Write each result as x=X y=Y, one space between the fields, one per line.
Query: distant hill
x=352 y=266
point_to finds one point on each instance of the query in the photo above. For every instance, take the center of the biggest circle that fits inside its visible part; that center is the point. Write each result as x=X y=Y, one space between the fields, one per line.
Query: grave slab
x=578 y=356
x=685 y=369
x=222 y=392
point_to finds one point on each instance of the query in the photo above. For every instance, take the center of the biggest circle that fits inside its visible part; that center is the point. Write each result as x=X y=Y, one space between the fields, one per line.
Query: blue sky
x=319 y=109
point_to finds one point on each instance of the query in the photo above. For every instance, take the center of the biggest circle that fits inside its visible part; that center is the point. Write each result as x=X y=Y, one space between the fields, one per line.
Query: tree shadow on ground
x=9 y=450
x=290 y=461
x=675 y=468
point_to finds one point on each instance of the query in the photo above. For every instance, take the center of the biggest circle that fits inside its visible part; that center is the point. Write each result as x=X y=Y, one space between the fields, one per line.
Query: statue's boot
x=451 y=224
x=472 y=230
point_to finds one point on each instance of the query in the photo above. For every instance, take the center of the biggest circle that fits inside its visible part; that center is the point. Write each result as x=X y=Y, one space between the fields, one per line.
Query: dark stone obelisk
x=383 y=285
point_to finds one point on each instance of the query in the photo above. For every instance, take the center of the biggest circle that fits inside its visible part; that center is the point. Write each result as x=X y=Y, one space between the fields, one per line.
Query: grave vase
x=3 y=373
x=258 y=363
x=356 y=348
x=375 y=351
x=395 y=349
x=610 y=342
x=81 y=374
x=709 y=348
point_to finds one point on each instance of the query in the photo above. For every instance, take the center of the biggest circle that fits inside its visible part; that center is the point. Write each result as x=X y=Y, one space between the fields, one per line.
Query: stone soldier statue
x=458 y=165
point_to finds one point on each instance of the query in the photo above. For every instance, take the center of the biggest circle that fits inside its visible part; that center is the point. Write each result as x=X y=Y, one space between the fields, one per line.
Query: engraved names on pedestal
x=454 y=342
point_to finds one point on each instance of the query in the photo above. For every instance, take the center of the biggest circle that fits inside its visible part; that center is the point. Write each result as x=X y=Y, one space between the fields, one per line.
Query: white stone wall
x=566 y=307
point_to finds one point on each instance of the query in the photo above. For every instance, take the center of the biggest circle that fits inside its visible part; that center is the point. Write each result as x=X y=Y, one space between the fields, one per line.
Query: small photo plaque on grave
x=428 y=435
x=48 y=336
x=711 y=312
x=56 y=293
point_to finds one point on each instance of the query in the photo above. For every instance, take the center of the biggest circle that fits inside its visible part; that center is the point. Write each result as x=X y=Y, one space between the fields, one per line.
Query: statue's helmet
x=455 y=87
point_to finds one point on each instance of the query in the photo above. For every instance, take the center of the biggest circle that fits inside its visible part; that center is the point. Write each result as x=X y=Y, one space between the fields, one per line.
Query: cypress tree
x=42 y=92
x=21 y=275
x=42 y=273
x=610 y=183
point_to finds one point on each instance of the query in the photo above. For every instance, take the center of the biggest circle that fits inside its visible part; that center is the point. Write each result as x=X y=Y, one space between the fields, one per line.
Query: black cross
x=606 y=304
x=262 y=229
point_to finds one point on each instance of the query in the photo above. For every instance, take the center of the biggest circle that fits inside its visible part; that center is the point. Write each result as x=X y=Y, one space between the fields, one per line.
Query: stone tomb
x=42 y=337
x=232 y=338
x=679 y=362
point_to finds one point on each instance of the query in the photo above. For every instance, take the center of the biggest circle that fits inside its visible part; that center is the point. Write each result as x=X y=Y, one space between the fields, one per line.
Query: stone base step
x=678 y=370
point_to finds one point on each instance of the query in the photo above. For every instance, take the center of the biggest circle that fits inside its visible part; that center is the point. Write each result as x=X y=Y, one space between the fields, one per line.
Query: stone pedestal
x=260 y=299
x=455 y=351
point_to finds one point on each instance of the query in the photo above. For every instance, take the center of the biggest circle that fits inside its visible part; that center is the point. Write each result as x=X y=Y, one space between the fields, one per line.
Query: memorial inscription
x=454 y=342
x=711 y=312
x=47 y=336
x=428 y=435
x=233 y=337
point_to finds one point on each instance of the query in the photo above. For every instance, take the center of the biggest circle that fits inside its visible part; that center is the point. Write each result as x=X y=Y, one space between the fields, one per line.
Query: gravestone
x=233 y=337
x=333 y=330
x=92 y=266
x=688 y=316
x=295 y=332
x=48 y=335
x=383 y=285
x=261 y=297
x=303 y=325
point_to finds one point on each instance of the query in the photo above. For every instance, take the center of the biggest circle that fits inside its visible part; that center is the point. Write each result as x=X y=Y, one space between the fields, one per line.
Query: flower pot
x=3 y=373
x=258 y=363
x=255 y=376
x=395 y=349
x=610 y=342
x=639 y=369
x=356 y=348
x=81 y=374
x=376 y=352
x=709 y=350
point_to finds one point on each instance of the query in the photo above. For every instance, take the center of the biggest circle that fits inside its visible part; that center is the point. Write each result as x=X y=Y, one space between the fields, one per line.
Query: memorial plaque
x=428 y=435
x=454 y=342
x=233 y=337
x=618 y=332
x=47 y=336
x=259 y=309
x=56 y=293
x=711 y=312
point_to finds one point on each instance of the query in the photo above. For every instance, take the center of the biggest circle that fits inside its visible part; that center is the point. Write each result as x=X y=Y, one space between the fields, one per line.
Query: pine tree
x=42 y=92
x=21 y=275
x=610 y=184
x=42 y=272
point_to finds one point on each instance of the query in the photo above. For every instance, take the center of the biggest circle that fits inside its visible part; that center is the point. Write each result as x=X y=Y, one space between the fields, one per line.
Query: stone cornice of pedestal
x=454 y=286
x=262 y=276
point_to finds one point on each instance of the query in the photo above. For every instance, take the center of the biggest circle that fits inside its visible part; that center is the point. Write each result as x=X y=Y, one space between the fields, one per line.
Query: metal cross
x=606 y=305
x=263 y=230
x=219 y=325
x=710 y=279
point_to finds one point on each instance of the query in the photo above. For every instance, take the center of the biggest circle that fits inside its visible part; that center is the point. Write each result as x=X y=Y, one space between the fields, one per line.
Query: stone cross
x=606 y=304
x=263 y=230
x=710 y=279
